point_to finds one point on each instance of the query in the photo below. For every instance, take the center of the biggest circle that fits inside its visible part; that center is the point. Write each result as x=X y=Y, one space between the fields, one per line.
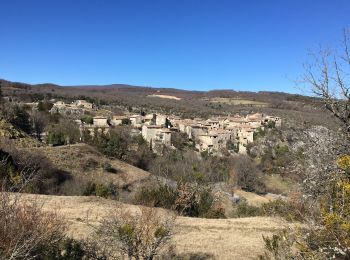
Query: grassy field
x=210 y=238
x=237 y=102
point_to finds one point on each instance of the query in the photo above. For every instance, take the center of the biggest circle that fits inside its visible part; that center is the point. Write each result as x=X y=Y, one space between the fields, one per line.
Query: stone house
x=100 y=121
x=117 y=120
x=161 y=119
x=207 y=142
x=196 y=130
x=276 y=119
x=136 y=120
x=83 y=104
x=213 y=124
x=150 y=119
x=156 y=134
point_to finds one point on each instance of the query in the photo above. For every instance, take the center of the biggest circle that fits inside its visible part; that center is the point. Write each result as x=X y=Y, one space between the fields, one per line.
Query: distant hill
x=183 y=102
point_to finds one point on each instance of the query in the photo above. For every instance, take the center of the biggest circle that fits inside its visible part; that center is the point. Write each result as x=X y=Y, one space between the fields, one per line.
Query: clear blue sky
x=201 y=45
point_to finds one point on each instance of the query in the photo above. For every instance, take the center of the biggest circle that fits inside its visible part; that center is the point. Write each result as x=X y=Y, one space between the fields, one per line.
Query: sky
x=248 y=45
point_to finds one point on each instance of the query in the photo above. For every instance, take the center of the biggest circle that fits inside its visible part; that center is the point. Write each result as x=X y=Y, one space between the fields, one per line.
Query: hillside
x=207 y=238
x=184 y=103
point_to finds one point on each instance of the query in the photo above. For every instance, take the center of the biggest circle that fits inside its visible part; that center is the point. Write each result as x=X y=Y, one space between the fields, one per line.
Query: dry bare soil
x=212 y=238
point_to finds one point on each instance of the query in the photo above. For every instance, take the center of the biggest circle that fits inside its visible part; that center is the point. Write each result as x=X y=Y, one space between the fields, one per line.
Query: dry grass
x=84 y=161
x=279 y=185
x=254 y=199
x=218 y=238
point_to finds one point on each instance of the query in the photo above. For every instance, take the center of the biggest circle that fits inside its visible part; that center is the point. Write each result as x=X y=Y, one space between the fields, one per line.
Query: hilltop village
x=210 y=135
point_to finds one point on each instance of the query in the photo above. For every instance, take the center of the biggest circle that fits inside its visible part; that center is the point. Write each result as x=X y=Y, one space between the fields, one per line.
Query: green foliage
x=112 y=145
x=56 y=138
x=282 y=150
x=109 y=191
x=126 y=121
x=87 y=119
x=259 y=132
x=205 y=154
x=243 y=209
x=64 y=132
x=271 y=124
x=205 y=206
x=70 y=249
x=17 y=116
x=279 y=246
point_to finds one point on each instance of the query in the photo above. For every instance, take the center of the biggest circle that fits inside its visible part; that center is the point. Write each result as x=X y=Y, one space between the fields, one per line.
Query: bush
x=247 y=176
x=126 y=121
x=109 y=191
x=160 y=196
x=196 y=201
x=65 y=132
x=17 y=116
x=87 y=119
x=45 y=105
x=27 y=232
x=56 y=138
x=243 y=209
x=71 y=249
x=259 y=132
x=288 y=209
x=139 y=236
x=271 y=124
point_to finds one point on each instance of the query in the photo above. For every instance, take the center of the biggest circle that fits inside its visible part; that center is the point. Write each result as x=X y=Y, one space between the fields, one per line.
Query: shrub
x=101 y=190
x=126 y=121
x=247 y=176
x=45 y=105
x=71 y=249
x=243 y=209
x=259 y=132
x=196 y=201
x=17 y=116
x=87 y=119
x=160 y=196
x=26 y=232
x=56 y=138
x=282 y=150
x=271 y=124
x=288 y=209
x=138 y=236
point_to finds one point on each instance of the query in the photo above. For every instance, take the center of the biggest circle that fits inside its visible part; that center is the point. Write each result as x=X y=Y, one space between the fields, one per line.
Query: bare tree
x=136 y=235
x=328 y=76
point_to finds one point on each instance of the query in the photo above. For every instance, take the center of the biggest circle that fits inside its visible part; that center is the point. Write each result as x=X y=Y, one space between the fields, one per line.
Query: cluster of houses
x=77 y=107
x=209 y=135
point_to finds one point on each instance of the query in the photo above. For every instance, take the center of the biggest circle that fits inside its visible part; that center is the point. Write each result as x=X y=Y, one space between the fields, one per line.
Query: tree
x=45 y=105
x=18 y=116
x=327 y=75
x=40 y=121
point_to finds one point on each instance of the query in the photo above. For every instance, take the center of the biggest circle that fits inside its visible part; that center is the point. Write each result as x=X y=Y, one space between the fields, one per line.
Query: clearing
x=237 y=102
x=165 y=96
x=239 y=238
